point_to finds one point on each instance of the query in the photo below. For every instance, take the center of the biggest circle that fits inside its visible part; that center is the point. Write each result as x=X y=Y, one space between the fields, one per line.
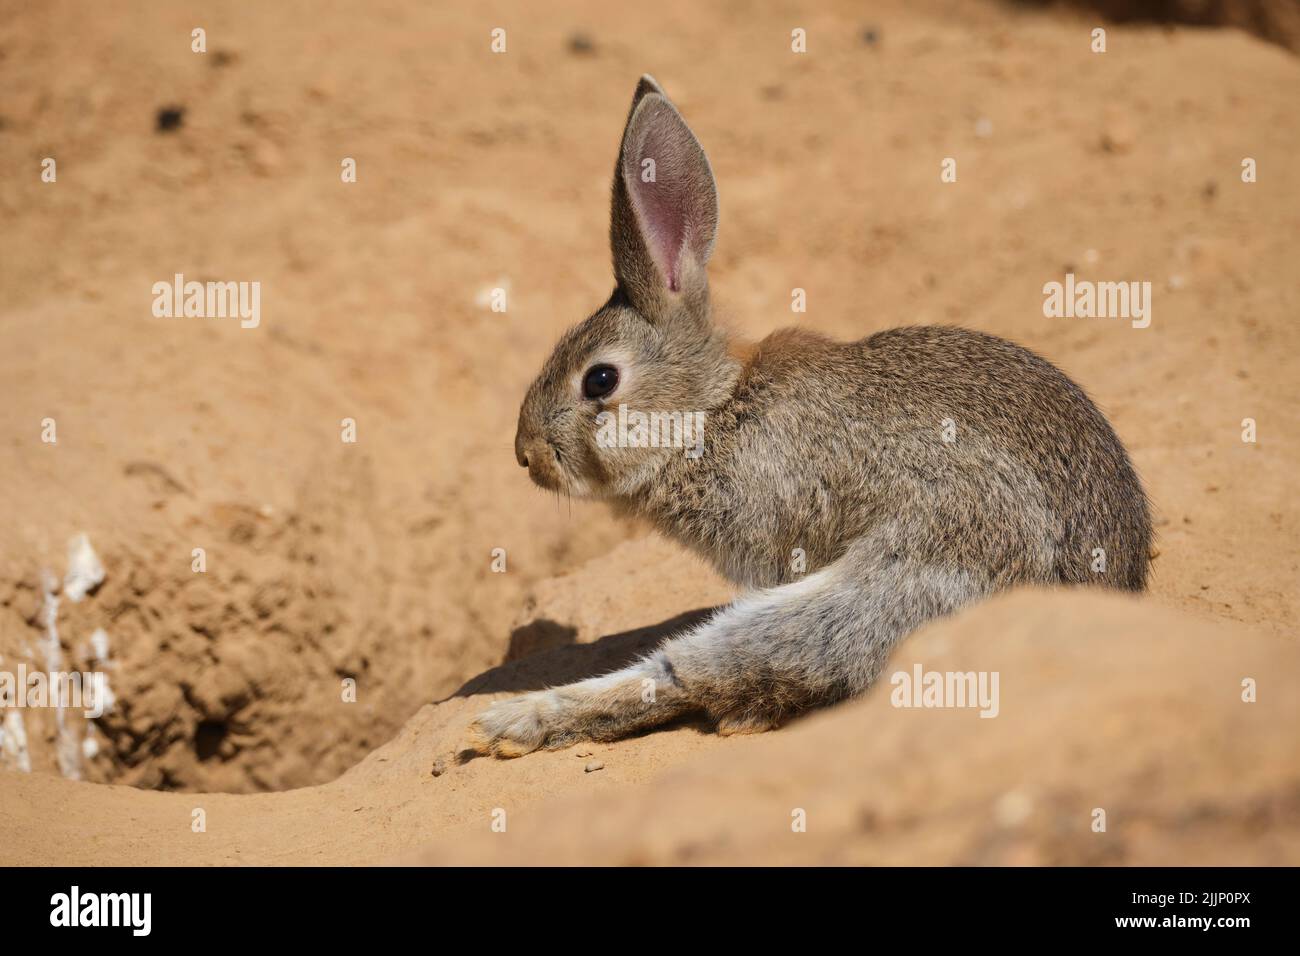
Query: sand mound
x=1105 y=703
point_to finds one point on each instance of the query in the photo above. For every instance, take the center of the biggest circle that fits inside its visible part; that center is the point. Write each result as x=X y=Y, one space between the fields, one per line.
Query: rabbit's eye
x=600 y=381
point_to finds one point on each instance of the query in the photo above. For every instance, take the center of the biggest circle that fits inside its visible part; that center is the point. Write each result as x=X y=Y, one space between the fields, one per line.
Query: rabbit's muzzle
x=542 y=459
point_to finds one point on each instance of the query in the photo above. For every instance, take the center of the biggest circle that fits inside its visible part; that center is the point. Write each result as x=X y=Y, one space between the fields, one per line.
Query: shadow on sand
x=544 y=654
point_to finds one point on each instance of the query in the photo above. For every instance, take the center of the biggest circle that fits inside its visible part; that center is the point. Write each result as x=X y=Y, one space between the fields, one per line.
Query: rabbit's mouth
x=549 y=470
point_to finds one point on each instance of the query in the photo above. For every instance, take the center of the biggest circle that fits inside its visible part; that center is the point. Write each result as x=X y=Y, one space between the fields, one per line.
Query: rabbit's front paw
x=517 y=726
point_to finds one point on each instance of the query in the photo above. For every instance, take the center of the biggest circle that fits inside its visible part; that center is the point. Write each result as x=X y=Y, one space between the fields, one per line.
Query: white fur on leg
x=519 y=725
x=514 y=726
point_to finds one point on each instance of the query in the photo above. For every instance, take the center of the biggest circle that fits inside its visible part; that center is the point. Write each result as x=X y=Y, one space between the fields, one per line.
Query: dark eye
x=600 y=381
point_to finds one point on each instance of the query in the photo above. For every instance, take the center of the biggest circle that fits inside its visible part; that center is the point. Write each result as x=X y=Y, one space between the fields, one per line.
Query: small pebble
x=1119 y=136
x=169 y=118
x=439 y=767
x=594 y=766
x=581 y=45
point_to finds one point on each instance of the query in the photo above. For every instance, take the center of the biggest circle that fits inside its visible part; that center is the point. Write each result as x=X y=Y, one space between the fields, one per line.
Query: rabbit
x=855 y=490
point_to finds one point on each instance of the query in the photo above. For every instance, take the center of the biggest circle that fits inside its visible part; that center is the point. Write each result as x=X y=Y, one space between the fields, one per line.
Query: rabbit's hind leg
x=761 y=660
x=777 y=653
x=635 y=698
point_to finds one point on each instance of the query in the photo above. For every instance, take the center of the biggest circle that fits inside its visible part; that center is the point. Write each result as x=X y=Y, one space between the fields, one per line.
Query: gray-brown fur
x=836 y=450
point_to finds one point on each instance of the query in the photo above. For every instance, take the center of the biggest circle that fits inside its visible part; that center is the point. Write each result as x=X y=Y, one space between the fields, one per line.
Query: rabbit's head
x=653 y=347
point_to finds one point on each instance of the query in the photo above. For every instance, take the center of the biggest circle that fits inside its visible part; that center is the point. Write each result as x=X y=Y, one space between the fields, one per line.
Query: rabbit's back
x=1013 y=408
x=968 y=450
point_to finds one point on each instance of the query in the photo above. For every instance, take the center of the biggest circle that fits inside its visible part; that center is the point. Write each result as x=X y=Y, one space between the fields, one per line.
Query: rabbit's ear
x=665 y=206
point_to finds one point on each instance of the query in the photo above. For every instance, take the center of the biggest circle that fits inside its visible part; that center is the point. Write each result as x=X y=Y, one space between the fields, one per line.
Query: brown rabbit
x=909 y=473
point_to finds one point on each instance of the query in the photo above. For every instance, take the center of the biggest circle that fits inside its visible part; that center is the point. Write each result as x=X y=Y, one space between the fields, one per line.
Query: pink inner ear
x=665 y=229
x=662 y=205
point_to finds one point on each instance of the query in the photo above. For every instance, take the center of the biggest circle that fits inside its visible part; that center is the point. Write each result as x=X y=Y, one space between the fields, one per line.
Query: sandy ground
x=329 y=562
x=1108 y=704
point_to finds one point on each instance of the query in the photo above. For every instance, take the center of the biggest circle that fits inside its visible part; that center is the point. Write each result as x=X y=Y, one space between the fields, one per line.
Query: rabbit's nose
x=523 y=458
x=521 y=455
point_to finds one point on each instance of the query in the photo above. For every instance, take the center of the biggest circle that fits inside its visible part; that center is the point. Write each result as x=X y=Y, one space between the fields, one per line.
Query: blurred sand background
x=371 y=561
